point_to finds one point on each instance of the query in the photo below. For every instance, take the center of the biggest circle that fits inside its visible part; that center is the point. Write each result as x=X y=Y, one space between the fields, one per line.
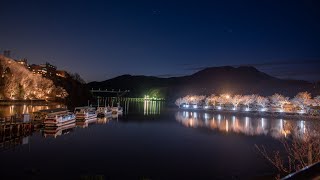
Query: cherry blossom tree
x=248 y=100
x=262 y=101
x=223 y=99
x=20 y=83
x=211 y=100
x=186 y=99
x=236 y=100
x=279 y=100
x=62 y=93
x=179 y=102
x=302 y=100
x=316 y=101
x=197 y=99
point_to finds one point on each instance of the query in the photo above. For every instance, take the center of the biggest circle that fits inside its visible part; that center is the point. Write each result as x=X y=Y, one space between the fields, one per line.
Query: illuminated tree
x=279 y=100
x=179 y=102
x=11 y=88
x=236 y=100
x=211 y=100
x=197 y=99
x=316 y=101
x=248 y=100
x=223 y=99
x=186 y=99
x=262 y=101
x=302 y=100
x=20 y=83
x=61 y=93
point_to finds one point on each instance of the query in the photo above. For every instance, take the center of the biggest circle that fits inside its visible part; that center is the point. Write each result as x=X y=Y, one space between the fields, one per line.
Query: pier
x=119 y=92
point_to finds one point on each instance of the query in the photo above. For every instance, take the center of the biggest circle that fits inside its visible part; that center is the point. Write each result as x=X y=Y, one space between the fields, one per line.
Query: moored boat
x=59 y=118
x=39 y=116
x=104 y=111
x=117 y=110
x=85 y=113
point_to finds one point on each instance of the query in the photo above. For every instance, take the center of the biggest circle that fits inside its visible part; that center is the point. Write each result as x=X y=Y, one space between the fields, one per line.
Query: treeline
x=301 y=103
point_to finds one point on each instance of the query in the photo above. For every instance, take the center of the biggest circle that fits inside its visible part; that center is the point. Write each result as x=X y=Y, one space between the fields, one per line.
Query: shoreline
x=256 y=114
x=21 y=102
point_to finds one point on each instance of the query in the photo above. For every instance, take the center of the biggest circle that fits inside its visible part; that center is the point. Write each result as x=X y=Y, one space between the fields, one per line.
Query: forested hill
x=226 y=79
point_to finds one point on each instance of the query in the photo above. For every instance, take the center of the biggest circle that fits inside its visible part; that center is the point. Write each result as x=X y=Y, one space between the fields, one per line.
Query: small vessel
x=104 y=111
x=117 y=110
x=39 y=116
x=85 y=113
x=59 y=118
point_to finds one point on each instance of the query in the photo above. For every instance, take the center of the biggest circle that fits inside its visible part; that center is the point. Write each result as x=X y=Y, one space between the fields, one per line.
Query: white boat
x=104 y=111
x=59 y=118
x=117 y=110
x=39 y=116
x=85 y=113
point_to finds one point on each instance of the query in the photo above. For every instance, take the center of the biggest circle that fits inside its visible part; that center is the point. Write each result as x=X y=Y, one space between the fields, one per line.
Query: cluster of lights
x=301 y=100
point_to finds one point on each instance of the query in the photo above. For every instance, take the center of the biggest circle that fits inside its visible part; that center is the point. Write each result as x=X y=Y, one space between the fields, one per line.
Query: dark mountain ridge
x=225 y=79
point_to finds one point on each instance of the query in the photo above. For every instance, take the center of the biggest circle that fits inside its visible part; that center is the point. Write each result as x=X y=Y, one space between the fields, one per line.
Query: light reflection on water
x=250 y=126
x=26 y=108
x=15 y=138
x=151 y=107
x=114 y=141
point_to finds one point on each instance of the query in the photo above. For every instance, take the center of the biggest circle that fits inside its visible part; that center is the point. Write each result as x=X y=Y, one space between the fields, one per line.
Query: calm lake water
x=149 y=141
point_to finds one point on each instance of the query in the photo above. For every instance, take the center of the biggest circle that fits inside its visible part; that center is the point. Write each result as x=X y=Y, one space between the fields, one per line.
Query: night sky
x=104 y=39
